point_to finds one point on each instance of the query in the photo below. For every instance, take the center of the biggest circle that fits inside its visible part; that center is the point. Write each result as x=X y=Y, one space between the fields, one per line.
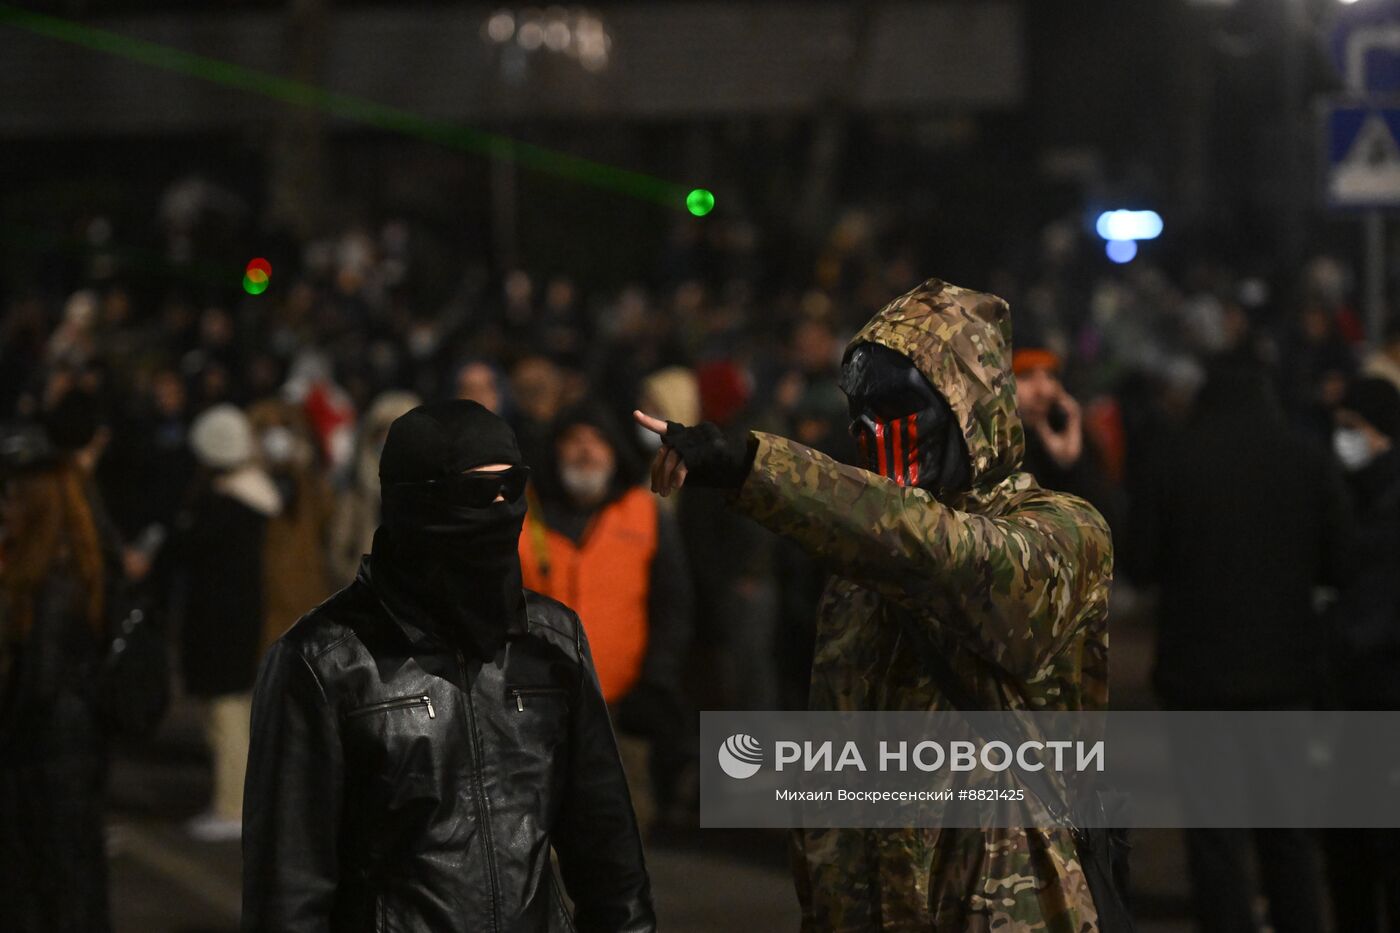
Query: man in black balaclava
x=422 y=739
x=438 y=548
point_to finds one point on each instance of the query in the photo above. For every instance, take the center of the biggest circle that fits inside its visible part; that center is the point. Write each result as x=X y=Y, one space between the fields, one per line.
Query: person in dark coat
x=1241 y=519
x=53 y=582
x=424 y=739
x=1363 y=865
x=218 y=553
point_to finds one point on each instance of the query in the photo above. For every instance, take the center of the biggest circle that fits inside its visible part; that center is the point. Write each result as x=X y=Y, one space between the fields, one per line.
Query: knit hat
x=1032 y=358
x=222 y=438
x=1378 y=401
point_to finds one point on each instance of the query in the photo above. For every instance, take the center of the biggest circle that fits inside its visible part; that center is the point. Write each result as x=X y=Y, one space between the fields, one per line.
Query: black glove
x=711 y=459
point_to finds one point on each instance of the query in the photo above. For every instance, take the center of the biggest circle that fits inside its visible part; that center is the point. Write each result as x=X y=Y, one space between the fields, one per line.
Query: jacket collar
x=415 y=630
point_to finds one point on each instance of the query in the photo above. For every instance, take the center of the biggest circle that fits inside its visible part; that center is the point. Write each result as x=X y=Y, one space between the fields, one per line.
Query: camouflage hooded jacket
x=1010 y=582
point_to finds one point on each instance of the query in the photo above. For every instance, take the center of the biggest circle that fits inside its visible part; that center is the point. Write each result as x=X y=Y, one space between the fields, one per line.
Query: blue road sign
x=1366 y=47
x=1363 y=156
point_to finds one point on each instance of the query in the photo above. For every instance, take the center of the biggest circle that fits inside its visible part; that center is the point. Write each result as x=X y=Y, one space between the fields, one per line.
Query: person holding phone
x=1053 y=420
x=1058 y=454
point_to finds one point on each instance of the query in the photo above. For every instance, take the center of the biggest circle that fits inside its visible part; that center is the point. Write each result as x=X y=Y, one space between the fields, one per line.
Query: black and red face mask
x=906 y=430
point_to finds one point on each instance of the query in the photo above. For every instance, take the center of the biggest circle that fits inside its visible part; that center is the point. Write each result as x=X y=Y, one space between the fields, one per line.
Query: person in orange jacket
x=595 y=539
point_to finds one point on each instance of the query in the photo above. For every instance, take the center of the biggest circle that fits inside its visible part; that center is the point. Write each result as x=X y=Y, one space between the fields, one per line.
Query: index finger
x=654 y=425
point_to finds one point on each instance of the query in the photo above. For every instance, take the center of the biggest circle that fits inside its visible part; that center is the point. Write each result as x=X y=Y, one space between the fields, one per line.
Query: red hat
x=723 y=391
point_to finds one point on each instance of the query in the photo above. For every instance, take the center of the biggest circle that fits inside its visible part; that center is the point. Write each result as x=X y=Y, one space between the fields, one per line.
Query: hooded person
x=423 y=739
x=943 y=543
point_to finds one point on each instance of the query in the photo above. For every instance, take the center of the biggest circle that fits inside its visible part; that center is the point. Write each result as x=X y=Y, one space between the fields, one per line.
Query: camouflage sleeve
x=1014 y=588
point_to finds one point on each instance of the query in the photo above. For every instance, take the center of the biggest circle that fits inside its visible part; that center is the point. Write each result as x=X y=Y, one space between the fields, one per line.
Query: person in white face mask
x=1367 y=421
x=1364 y=636
x=596 y=540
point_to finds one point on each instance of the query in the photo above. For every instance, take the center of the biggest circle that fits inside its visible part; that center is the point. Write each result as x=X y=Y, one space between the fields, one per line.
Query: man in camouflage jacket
x=1007 y=580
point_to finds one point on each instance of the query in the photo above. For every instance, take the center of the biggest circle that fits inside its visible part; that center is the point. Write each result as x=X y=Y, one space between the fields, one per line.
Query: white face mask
x=1352 y=448
x=278 y=444
x=585 y=484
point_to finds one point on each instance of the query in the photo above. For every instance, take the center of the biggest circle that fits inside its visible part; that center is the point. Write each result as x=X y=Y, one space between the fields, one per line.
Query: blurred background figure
x=1384 y=361
x=596 y=540
x=537 y=388
x=1243 y=519
x=731 y=562
x=219 y=553
x=296 y=553
x=479 y=381
x=1363 y=865
x=1319 y=362
x=56 y=570
x=356 y=513
x=674 y=394
x=1059 y=453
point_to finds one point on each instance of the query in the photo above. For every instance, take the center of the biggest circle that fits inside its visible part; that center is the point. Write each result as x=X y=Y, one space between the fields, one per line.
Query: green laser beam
x=132 y=259
x=357 y=109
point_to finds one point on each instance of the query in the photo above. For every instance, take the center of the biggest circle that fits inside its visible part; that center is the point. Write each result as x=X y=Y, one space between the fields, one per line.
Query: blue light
x=1122 y=251
x=1129 y=225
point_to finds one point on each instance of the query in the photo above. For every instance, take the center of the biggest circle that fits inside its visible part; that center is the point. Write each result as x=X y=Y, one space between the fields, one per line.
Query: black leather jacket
x=396 y=784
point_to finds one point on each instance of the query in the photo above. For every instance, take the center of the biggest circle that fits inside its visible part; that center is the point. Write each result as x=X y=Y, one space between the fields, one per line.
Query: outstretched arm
x=1013 y=588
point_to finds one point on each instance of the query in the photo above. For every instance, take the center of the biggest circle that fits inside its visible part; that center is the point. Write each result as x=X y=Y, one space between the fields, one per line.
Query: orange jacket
x=605 y=578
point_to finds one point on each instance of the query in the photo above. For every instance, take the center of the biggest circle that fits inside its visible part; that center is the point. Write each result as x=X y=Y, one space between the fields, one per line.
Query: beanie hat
x=723 y=391
x=222 y=438
x=1378 y=401
x=1032 y=358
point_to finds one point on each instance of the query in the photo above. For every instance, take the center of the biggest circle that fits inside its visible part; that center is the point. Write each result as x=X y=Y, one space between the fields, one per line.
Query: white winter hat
x=222 y=438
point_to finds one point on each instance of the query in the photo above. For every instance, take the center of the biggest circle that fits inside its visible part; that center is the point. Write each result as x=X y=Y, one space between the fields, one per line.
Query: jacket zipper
x=424 y=701
x=520 y=693
x=481 y=809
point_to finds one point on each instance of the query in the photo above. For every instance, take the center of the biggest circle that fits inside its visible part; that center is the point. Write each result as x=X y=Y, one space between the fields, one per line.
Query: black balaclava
x=455 y=568
x=905 y=428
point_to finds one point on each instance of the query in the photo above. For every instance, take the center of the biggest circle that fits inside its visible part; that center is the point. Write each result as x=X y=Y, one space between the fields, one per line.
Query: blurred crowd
x=216 y=453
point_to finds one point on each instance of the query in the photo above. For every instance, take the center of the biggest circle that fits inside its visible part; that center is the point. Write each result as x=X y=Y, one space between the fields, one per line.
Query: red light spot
x=262 y=265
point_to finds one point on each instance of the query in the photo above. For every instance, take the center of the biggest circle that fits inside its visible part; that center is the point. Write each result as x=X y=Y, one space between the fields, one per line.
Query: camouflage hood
x=961 y=341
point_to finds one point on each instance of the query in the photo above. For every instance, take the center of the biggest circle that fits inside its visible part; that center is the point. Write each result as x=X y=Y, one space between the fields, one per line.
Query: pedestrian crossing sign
x=1363 y=165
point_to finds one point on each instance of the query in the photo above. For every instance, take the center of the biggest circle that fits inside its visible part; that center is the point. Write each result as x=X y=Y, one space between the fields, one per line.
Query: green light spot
x=254 y=285
x=700 y=202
